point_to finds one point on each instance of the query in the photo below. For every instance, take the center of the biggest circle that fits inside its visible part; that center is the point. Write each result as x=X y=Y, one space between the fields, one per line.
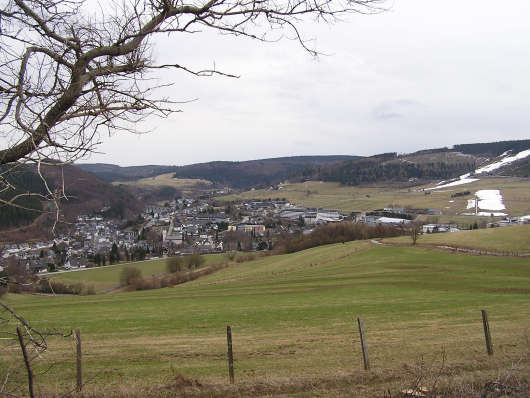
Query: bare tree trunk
x=26 y=361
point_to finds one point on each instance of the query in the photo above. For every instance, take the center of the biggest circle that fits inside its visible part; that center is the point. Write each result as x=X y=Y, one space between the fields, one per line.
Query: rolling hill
x=514 y=239
x=293 y=320
x=112 y=172
x=235 y=174
x=425 y=165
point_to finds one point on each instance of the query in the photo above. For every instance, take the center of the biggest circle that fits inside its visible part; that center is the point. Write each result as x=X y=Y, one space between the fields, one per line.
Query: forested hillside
x=493 y=149
x=18 y=181
x=370 y=170
x=256 y=173
x=429 y=164
x=85 y=194
x=112 y=172
x=244 y=174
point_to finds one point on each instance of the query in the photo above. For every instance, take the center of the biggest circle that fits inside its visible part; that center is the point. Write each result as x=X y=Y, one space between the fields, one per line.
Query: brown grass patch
x=434 y=378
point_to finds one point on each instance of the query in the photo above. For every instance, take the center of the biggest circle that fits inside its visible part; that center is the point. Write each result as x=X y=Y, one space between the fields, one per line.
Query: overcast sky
x=427 y=73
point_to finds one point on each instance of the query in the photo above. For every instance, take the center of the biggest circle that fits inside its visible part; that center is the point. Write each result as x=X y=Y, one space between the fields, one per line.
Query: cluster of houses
x=42 y=256
x=91 y=235
x=508 y=221
x=188 y=226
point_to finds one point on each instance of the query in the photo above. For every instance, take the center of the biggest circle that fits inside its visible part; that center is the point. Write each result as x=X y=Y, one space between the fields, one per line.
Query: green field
x=514 y=239
x=293 y=321
x=516 y=193
x=107 y=277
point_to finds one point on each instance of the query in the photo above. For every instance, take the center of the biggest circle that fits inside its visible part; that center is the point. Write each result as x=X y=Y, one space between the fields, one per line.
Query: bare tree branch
x=67 y=75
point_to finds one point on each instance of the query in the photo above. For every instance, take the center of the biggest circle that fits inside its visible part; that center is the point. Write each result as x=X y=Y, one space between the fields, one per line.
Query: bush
x=20 y=280
x=145 y=283
x=77 y=288
x=195 y=261
x=174 y=264
x=231 y=255
x=245 y=257
x=54 y=286
x=161 y=281
x=129 y=274
x=168 y=281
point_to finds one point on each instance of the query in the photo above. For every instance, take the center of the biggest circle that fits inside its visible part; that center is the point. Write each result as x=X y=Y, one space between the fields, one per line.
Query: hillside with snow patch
x=490 y=200
x=505 y=159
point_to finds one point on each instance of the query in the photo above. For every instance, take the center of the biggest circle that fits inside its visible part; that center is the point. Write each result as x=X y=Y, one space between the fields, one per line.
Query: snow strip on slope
x=488 y=199
x=486 y=214
x=464 y=178
x=462 y=181
x=503 y=162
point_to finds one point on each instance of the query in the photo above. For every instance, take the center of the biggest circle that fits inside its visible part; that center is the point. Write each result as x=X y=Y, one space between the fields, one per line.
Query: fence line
x=230 y=356
x=364 y=346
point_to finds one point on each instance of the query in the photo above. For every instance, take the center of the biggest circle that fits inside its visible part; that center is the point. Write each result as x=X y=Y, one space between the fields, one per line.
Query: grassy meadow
x=293 y=324
x=516 y=193
x=515 y=239
x=106 y=277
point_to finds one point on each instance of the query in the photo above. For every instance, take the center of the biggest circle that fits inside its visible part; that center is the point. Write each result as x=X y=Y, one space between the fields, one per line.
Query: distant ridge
x=493 y=148
x=236 y=174
x=426 y=164
x=111 y=172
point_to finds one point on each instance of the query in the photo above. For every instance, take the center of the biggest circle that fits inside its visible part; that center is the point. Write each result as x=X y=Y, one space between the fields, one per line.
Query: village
x=186 y=226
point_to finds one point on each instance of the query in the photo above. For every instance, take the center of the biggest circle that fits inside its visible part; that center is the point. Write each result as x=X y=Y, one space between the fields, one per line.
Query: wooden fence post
x=487 y=334
x=230 y=355
x=79 y=360
x=364 y=347
x=26 y=362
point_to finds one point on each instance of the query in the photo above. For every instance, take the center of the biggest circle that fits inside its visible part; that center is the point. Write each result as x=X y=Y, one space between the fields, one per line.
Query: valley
x=293 y=312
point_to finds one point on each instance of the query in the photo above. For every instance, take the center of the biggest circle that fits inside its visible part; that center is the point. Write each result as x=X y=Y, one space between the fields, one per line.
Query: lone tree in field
x=415 y=229
x=71 y=70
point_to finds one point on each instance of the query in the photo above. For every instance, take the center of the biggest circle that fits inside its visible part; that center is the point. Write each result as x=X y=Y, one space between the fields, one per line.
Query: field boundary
x=455 y=249
x=417 y=374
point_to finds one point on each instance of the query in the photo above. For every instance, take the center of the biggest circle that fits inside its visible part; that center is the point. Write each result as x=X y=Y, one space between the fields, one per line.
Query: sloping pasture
x=293 y=318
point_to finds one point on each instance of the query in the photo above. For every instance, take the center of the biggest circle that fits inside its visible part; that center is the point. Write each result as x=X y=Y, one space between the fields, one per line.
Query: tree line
x=493 y=148
x=370 y=170
x=335 y=233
